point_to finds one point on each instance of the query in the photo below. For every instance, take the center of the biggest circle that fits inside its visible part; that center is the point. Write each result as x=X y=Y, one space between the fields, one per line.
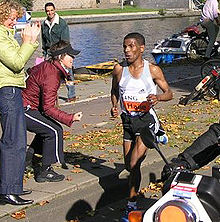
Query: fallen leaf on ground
x=215 y=101
x=154 y=195
x=69 y=178
x=75 y=144
x=102 y=156
x=76 y=220
x=113 y=151
x=111 y=160
x=152 y=187
x=66 y=134
x=43 y=202
x=205 y=168
x=19 y=214
x=76 y=170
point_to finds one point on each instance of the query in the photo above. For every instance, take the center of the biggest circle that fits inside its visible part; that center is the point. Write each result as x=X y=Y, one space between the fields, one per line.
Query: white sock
x=132 y=204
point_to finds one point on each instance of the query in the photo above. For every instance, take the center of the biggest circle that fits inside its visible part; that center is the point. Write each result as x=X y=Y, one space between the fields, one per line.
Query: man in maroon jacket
x=41 y=111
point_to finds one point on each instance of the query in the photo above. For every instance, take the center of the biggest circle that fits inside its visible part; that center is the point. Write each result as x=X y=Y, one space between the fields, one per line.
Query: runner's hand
x=114 y=112
x=77 y=116
x=152 y=99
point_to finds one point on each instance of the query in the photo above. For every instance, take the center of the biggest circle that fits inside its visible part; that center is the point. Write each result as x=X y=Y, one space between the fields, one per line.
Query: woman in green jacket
x=12 y=79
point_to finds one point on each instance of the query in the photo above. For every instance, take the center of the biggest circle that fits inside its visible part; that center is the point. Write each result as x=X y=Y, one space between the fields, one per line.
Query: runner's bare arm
x=116 y=76
x=160 y=80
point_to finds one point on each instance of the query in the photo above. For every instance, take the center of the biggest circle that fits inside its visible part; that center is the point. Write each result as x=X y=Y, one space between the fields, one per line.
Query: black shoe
x=14 y=199
x=49 y=175
x=64 y=166
x=25 y=192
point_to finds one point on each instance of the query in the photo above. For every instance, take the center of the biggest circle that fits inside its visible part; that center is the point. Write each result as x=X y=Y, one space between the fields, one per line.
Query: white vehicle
x=187 y=197
x=174 y=47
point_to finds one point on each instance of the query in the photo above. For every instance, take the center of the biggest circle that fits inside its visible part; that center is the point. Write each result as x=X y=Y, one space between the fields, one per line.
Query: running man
x=134 y=85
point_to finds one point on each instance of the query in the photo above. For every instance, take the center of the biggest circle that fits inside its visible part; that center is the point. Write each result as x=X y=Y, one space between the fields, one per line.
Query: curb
x=78 y=19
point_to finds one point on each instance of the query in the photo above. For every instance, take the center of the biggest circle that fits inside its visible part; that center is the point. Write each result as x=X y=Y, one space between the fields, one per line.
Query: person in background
x=55 y=29
x=12 y=79
x=41 y=112
x=209 y=20
x=134 y=85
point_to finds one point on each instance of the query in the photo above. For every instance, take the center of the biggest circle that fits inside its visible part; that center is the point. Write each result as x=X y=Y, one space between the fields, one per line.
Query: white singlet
x=134 y=91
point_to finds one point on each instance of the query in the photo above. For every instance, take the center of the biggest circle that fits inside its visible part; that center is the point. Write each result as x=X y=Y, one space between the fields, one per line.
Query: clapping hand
x=31 y=32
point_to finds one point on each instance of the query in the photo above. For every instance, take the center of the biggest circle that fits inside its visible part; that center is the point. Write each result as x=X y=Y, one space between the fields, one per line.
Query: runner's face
x=50 y=10
x=132 y=50
x=67 y=61
x=12 y=19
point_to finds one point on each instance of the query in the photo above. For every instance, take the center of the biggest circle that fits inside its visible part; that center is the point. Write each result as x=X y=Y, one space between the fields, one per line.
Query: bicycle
x=195 y=51
x=209 y=86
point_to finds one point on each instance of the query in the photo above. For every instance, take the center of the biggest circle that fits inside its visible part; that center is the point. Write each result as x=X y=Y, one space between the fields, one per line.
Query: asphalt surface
x=101 y=183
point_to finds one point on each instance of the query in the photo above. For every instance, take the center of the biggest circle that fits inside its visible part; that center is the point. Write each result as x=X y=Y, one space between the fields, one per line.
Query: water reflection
x=101 y=42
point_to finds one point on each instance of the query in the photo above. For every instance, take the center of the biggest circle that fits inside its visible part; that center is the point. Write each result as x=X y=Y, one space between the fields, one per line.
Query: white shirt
x=210 y=10
x=134 y=91
x=55 y=21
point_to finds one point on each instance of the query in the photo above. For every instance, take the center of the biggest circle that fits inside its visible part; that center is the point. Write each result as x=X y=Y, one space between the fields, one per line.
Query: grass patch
x=96 y=140
x=126 y=9
x=184 y=124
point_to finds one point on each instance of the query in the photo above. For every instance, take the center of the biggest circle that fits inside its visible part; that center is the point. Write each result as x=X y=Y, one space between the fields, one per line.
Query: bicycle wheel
x=193 y=95
x=202 y=89
x=195 y=51
x=208 y=66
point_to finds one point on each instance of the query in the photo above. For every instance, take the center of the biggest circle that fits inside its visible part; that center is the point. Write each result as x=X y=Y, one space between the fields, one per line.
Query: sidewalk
x=100 y=181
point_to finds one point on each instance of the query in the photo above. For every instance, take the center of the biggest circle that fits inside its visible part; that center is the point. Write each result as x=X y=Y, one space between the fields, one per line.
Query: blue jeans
x=13 y=141
x=71 y=88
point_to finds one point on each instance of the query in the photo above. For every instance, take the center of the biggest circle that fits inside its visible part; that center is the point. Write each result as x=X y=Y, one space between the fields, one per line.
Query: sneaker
x=162 y=139
x=49 y=175
x=127 y=211
x=71 y=100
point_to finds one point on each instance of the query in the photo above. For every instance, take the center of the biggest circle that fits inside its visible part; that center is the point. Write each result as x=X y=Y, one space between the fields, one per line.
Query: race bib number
x=137 y=106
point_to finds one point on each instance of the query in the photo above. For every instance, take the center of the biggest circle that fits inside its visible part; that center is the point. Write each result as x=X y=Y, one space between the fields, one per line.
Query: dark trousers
x=204 y=149
x=48 y=140
x=13 y=141
x=212 y=30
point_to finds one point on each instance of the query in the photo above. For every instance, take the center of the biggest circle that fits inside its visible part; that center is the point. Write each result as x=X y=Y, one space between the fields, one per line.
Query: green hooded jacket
x=13 y=58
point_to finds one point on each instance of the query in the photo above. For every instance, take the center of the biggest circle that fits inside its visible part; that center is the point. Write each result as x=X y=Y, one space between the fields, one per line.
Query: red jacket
x=41 y=91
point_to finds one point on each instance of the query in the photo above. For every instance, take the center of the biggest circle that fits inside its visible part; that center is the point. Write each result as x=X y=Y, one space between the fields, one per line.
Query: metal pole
x=122 y=4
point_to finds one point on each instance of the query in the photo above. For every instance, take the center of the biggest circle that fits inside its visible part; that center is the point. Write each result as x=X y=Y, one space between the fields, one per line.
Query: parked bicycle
x=195 y=52
x=209 y=86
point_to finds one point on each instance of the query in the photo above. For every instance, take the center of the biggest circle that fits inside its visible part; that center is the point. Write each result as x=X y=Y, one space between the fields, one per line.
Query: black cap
x=68 y=50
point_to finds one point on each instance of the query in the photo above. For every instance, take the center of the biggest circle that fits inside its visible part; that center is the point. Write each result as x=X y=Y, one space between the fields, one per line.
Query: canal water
x=100 y=42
